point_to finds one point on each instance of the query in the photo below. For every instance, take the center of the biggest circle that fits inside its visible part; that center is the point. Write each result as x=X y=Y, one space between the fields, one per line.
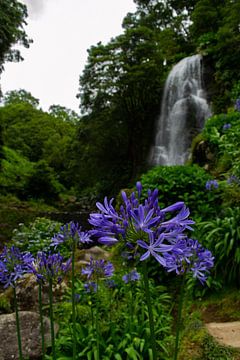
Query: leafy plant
x=222 y=237
x=36 y=236
x=184 y=183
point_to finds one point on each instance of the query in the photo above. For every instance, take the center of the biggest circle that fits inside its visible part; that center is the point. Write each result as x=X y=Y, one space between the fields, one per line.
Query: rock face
x=30 y=333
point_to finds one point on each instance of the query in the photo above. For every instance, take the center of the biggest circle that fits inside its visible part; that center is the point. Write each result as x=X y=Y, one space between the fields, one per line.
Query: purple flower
x=142 y=218
x=90 y=287
x=154 y=247
x=110 y=283
x=130 y=277
x=226 y=126
x=50 y=266
x=13 y=265
x=189 y=256
x=70 y=233
x=139 y=227
x=233 y=179
x=98 y=269
x=211 y=184
x=237 y=105
x=180 y=220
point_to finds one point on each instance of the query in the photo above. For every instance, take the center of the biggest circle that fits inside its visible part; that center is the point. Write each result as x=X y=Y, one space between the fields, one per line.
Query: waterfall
x=184 y=110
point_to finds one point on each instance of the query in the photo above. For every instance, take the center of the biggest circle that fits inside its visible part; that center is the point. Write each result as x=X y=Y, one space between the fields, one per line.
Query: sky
x=62 y=31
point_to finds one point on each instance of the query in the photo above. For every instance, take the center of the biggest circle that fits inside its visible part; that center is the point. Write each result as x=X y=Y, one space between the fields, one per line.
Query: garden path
x=227 y=333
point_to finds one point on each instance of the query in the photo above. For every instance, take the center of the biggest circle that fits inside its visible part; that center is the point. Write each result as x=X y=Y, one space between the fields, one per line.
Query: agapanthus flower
x=233 y=179
x=71 y=232
x=50 y=267
x=237 y=105
x=97 y=269
x=226 y=126
x=90 y=287
x=155 y=247
x=131 y=276
x=110 y=283
x=190 y=257
x=140 y=227
x=211 y=184
x=13 y=265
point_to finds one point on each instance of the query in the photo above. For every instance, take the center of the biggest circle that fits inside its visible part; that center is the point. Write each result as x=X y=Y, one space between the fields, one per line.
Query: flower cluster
x=131 y=276
x=144 y=230
x=13 y=265
x=97 y=269
x=233 y=179
x=237 y=105
x=211 y=184
x=49 y=267
x=226 y=126
x=71 y=233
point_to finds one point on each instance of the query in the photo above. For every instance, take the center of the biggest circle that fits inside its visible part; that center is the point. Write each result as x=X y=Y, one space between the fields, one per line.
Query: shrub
x=184 y=183
x=36 y=236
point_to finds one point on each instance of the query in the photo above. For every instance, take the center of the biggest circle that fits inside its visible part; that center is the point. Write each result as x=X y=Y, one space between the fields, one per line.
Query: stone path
x=227 y=333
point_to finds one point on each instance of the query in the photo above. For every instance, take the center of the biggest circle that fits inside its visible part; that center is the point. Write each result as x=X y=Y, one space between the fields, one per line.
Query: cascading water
x=184 y=110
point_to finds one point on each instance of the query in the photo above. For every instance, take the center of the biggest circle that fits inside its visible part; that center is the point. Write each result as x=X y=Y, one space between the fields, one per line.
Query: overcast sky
x=62 y=31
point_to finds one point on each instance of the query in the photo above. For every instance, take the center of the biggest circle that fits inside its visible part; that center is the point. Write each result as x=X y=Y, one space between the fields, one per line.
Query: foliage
x=37 y=236
x=20 y=96
x=222 y=237
x=215 y=30
x=43 y=183
x=186 y=183
x=123 y=335
x=63 y=113
x=224 y=142
x=12 y=20
x=15 y=172
x=38 y=136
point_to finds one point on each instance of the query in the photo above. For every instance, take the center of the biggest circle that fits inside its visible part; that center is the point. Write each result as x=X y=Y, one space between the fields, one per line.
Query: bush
x=36 y=236
x=184 y=183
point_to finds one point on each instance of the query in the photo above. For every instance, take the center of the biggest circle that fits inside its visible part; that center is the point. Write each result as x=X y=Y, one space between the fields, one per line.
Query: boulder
x=30 y=334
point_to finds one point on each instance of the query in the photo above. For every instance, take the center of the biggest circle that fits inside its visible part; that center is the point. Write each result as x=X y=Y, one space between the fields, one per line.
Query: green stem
x=51 y=318
x=150 y=311
x=73 y=301
x=131 y=312
x=18 y=325
x=97 y=321
x=179 y=318
x=41 y=319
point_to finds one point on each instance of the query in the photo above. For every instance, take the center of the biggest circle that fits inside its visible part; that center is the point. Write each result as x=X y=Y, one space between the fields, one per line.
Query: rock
x=27 y=293
x=227 y=333
x=83 y=256
x=30 y=334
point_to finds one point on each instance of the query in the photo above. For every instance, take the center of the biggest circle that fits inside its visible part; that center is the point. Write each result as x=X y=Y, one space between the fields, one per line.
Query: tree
x=13 y=16
x=20 y=96
x=37 y=136
x=120 y=92
x=63 y=113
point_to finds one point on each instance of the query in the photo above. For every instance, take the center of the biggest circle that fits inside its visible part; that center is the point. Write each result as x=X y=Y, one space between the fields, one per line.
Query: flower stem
x=73 y=301
x=51 y=318
x=41 y=319
x=18 y=325
x=150 y=311
x=97 y=320
x=179 y=318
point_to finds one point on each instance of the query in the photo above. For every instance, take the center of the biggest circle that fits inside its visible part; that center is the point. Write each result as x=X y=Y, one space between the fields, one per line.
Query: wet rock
x=30 y=334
